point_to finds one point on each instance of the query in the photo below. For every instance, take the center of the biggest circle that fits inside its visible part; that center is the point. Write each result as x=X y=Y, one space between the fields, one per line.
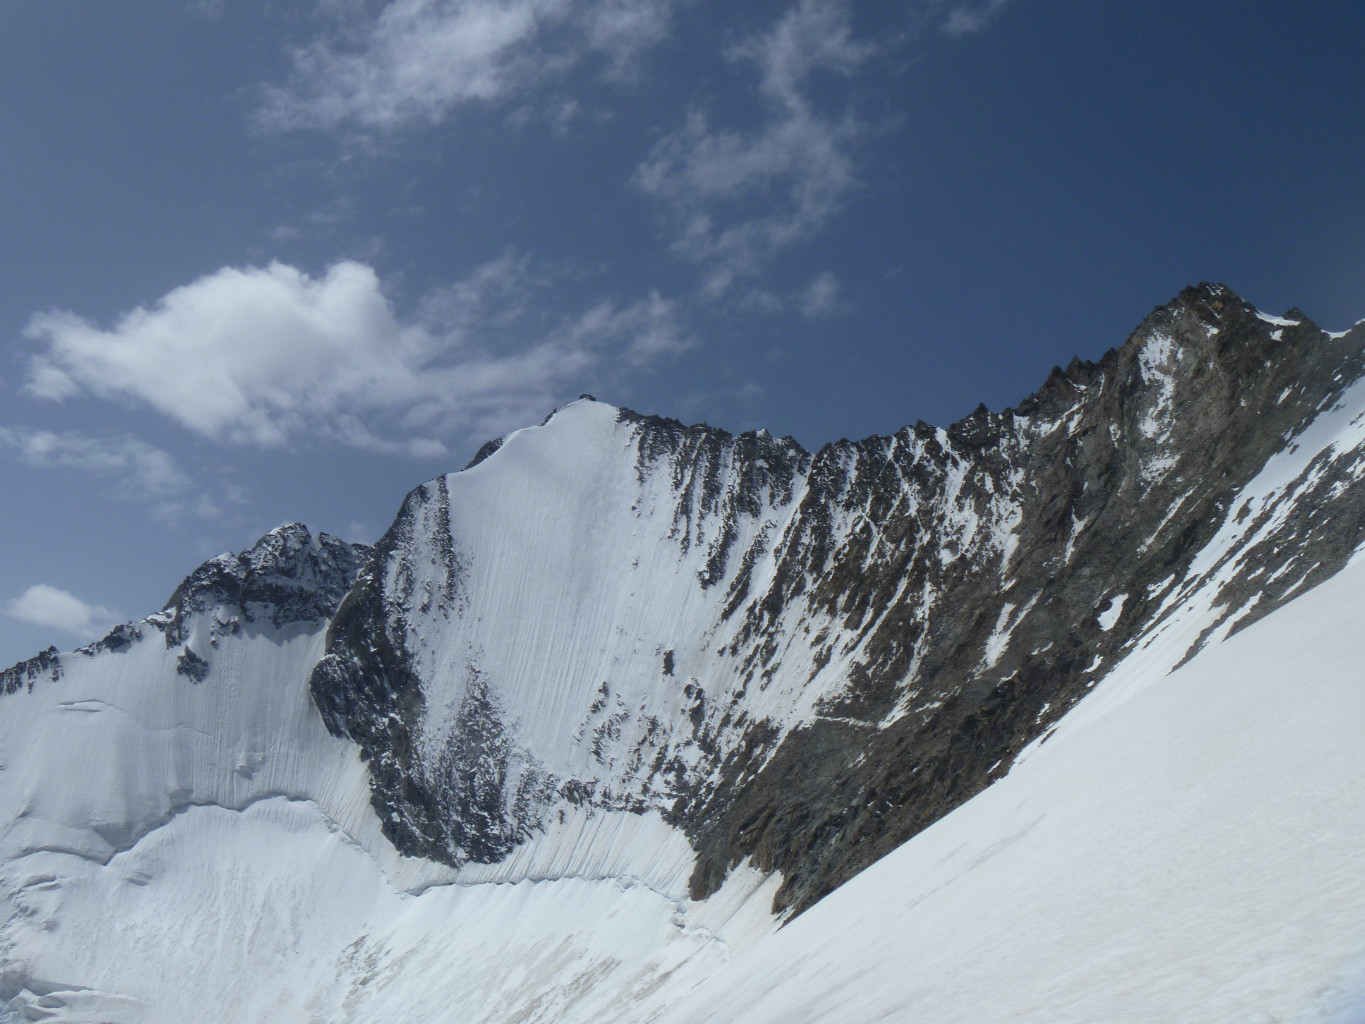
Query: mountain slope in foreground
x=611 y=725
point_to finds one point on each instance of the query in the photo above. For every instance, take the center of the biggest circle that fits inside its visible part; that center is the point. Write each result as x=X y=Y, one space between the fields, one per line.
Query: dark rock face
x=485 y=450
x=948 y=595
x=44 y=665
x=366 y=688
x=1116 y=474
x=120 y=638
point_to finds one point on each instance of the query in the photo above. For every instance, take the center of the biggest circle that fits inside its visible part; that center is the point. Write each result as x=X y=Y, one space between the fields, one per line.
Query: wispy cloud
x=138 y=471
x=738 y=197
x=644 y=330
x=820 y=297
x=45 y=605
x=964 y=19
x=209 y=9
x=141 y=471
x=266 y=355
x=622 y=30
x=417 y=61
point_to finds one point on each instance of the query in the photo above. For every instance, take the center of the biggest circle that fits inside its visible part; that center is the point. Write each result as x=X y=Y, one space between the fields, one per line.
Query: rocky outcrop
x=44 y=665
x=287 y=577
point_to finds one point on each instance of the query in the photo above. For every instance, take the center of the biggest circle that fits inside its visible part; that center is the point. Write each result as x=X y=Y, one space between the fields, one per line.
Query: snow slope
x=1190 y=854
x=272 y=914
x=182 y=839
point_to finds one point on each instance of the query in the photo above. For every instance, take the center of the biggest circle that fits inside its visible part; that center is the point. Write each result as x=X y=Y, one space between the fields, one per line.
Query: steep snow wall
x=1186 y=852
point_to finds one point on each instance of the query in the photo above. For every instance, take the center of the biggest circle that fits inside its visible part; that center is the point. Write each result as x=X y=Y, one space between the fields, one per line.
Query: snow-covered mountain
x=605 y=725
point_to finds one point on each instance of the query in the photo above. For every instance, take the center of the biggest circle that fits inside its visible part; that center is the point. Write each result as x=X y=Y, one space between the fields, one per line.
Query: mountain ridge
x=856 y=556
x=627 y=701
x=289 y=574
x=810 y=523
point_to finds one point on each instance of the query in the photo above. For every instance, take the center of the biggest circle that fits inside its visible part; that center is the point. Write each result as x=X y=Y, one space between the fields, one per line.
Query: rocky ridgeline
x=949 y=593
x=1110 y=479
x=286 y=576
x=23 y=676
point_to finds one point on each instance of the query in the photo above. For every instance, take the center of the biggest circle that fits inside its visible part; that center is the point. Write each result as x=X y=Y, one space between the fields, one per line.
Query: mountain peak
x=288 y=575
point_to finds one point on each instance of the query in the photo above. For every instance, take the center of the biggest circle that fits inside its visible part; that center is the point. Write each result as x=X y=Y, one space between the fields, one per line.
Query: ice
x=1155 y=361
x=1110 y=616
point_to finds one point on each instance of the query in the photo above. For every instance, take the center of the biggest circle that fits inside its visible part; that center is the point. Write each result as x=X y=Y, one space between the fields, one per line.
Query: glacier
x=1046 y=716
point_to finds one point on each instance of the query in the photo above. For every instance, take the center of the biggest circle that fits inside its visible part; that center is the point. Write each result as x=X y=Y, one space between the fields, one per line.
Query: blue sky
x=263 y=261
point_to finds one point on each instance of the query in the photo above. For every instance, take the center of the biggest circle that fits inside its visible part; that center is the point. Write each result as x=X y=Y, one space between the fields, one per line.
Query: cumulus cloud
x=265 y=355
x=416 y=61
x=44 y=605
x=740 y=196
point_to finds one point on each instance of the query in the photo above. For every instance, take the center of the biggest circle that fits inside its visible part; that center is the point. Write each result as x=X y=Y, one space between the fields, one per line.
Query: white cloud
x=142 y=471
x=44 y=605
x=967 y=18
x=416 y=61
x=244 y=354
x=820 y=297
x=264 y=355
x=740 y=196
x=359 y=532
x=646 y=330
x=621 y=30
